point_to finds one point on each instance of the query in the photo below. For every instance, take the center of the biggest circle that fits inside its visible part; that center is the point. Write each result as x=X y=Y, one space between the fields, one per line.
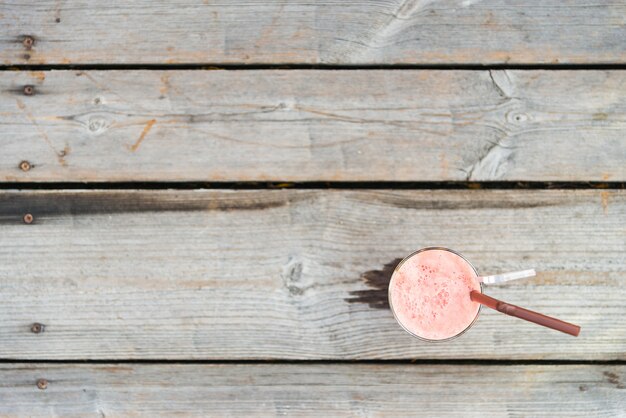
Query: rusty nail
x=29 y=90
x=37 y=328
x=28 y=42
x=42 y=384
x=28 y=218
x=25 y=165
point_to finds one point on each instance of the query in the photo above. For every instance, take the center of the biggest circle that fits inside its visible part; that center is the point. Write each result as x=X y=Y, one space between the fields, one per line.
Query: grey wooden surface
x=140 y=302
x=313 y=125
x=313 y=390
x=330 y=32
x=299 y=274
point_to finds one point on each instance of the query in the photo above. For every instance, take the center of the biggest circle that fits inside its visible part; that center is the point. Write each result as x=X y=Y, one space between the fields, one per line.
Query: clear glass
x=394 y=275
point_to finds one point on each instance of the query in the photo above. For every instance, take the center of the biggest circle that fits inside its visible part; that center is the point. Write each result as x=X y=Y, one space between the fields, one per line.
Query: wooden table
x=202 y=203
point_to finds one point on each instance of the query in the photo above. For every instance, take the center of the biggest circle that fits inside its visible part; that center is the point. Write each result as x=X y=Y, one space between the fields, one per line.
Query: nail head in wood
x=25 y=165
x=29 y=90
x=28 y=42
x=37 y=328
x=28 y=218
x=42 y=384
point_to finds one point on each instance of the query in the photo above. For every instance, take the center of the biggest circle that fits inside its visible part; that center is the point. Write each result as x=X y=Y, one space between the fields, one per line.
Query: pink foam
x=430 y=294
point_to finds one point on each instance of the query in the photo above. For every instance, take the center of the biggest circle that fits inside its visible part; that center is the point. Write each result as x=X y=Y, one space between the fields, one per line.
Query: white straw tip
x=505 y=277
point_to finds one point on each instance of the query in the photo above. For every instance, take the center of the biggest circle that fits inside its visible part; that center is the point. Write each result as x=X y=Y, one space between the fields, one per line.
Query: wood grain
x=299 y=274
x=304 y=32
x=312 y=390
x=314 y=126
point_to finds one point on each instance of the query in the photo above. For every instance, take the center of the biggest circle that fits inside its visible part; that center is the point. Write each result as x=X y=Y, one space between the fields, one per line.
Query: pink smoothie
x=430 y=294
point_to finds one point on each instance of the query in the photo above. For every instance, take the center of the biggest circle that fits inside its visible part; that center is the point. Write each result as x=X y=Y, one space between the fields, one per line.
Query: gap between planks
x=209 y=66
x=417 y=361
x=434 y=185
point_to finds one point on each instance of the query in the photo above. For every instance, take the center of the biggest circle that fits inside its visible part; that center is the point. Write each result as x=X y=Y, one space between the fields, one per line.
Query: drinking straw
x=536 y=317
x=505 y=277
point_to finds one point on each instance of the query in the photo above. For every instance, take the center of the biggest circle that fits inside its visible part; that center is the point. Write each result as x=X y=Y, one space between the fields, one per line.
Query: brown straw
x=536 y=317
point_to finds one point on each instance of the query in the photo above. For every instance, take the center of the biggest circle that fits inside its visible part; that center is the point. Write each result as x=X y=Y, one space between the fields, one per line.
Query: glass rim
x=391 y=303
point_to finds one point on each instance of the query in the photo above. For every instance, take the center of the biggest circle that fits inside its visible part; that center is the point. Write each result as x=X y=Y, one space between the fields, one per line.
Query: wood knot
x=518 y=117
x=97 y=124
x=28 y=41
x=292 y=275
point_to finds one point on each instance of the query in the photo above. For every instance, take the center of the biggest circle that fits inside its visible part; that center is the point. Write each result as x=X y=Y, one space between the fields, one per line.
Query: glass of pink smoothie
x=429 y=294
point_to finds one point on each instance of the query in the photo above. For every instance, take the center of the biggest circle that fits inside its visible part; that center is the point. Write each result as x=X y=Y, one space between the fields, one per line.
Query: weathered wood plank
x=314 y=125
x=313 y=390
x=298 y=274
x=330 y=32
